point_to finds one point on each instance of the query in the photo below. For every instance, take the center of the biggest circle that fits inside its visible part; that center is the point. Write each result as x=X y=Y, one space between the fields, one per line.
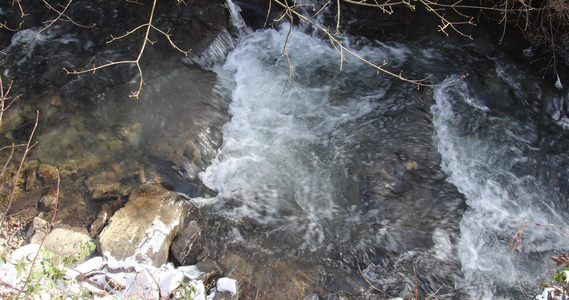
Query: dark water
x=346 y=175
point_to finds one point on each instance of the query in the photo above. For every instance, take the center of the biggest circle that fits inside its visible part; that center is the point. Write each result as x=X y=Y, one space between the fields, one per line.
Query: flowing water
x=331 y=180
x=294 y=170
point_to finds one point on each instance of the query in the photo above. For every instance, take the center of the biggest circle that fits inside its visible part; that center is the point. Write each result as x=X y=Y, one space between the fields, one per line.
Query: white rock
x=28 y=251
x=168 y=278
x=225 y=284
x=95 y=263
x=142 y=285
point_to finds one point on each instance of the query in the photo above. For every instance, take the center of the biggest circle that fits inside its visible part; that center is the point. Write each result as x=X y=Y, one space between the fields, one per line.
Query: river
x=333 y=181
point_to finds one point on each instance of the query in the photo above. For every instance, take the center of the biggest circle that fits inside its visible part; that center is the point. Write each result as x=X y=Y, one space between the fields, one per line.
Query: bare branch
x=60 y=14
x=5 y=26
x=29 y=146
x=337 y=43
x=43 y=239
x=446 y=23
x=19 y=6
x=386 y=7
x=4 y=98
x=372 y=286
x=285 y=53
x=148 y=25
x=168 y=36
x=13 y=147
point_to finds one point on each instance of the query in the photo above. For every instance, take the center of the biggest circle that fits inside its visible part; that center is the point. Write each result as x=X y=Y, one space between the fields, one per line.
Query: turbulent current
x=341 y=166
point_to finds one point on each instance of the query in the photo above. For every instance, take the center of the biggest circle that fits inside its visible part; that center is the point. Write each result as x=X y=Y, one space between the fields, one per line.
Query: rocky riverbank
x=131 y=256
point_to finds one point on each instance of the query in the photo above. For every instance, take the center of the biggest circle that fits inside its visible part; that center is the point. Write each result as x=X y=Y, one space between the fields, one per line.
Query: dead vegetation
x=544 y=23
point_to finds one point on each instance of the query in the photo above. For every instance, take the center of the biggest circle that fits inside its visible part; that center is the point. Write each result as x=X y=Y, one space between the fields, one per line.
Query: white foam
x=276 y=162
x=482 y=168
x=234 y=12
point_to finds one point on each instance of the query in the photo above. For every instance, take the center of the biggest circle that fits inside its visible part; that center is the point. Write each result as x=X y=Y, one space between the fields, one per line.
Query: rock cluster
x=134 y=246
x=121 y=279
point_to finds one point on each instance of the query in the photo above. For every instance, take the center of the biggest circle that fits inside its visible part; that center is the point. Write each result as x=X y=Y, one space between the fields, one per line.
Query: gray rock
x=189 y=247
x=145 y=227
x=38 y=224
x=312 y=296
x=66 y=240
x=202 y=270
x=103 y=188
x=131 y=134
x=102 y=219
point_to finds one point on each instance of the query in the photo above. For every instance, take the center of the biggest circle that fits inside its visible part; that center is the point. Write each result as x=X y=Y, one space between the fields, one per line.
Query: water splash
x=236 y=18
x=275 y=166
x=489 y=158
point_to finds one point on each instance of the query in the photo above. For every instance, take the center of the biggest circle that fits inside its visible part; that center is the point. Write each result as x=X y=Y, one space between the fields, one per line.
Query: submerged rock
x=102 y=219
x=48 y=172
x=189 y=246
x=237 y=266
x=145 y=227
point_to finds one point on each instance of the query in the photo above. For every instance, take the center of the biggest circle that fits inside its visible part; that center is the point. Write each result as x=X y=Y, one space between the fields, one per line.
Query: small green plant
x=561 y=289
x=185 y=292
x=46 y=276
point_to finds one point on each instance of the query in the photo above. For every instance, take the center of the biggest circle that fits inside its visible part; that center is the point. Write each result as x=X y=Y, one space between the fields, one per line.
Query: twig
x=20 y=6
x=8 y=160
x=5 y=24
x=285 y=53
x=290 y=10
x=136 y=61
x=416 y=287
x=379 y=290
x=433 y=294
x=4 y=95
x=29 y=146
x=43 y=239
x=60 y=14
x=386 y=7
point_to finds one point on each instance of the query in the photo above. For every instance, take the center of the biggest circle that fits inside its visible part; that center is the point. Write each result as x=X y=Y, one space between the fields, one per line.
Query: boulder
x=145 y=227
x=189 y=247
x=66 y=240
